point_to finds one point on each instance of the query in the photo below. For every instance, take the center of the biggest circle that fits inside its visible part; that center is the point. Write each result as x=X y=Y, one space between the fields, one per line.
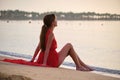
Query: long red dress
x=52 y=60
x=52 y=56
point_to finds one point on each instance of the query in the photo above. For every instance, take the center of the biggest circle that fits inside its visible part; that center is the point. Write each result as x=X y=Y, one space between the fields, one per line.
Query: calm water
x=96 y=42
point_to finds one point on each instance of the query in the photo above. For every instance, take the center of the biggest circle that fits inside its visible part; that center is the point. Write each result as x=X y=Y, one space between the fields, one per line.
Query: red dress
x=52 y=56
x=52 y=60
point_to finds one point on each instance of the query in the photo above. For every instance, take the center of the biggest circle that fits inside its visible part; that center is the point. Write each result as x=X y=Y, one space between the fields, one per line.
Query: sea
x=97 y=43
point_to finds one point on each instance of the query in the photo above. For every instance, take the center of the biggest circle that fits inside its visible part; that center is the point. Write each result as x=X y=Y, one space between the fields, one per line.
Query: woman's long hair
x=48 y=19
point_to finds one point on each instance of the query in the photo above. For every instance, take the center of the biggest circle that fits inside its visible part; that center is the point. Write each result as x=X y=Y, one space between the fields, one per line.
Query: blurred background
x=92 y=26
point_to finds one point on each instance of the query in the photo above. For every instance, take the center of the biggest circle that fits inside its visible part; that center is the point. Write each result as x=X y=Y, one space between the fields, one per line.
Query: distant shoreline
x=83 y=16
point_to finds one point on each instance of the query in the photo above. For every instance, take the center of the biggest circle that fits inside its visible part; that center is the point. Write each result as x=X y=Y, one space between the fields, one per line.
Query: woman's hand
x=32 y=60
x=36 y=52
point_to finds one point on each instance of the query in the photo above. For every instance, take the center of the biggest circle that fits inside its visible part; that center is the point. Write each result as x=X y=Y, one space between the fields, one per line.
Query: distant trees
x=18 y=15
x=22 y=15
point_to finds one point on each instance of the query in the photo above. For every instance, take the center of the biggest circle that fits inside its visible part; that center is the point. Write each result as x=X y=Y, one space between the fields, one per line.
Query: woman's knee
x=69 y=44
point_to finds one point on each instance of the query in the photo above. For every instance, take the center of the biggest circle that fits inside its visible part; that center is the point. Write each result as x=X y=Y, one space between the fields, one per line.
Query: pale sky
x=98 y=6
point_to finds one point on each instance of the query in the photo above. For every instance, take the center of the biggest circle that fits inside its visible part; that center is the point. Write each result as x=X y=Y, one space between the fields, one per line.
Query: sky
x=76 y=6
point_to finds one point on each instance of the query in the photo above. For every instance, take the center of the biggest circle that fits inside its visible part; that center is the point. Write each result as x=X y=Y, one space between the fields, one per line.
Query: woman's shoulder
x=50 y=33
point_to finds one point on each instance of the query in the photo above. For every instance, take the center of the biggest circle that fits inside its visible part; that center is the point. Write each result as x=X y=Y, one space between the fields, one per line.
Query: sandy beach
x=25 y=72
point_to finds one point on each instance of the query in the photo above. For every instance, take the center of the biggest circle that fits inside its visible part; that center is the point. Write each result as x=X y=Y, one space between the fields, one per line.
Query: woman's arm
x=48 y=45
x=36 y=52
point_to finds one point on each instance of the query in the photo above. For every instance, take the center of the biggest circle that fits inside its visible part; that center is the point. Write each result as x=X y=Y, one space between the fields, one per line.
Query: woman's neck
x=51 y=28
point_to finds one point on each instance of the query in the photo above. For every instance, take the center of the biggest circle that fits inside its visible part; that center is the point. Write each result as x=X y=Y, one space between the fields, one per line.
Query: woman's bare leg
x=85 y=66
x=68 y=50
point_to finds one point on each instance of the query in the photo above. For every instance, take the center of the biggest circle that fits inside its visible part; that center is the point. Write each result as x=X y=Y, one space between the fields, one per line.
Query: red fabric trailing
x=23 y=62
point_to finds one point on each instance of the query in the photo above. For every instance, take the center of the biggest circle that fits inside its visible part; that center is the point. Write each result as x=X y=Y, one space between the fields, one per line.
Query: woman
x=47 y=47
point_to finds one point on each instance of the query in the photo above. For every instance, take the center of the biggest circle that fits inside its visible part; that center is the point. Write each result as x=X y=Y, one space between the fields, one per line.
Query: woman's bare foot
x=84 y=69
x=80 y=69
x=90 y=69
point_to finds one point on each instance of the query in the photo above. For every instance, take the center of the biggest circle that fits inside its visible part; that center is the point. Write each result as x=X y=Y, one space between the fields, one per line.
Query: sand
x=11 y=71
